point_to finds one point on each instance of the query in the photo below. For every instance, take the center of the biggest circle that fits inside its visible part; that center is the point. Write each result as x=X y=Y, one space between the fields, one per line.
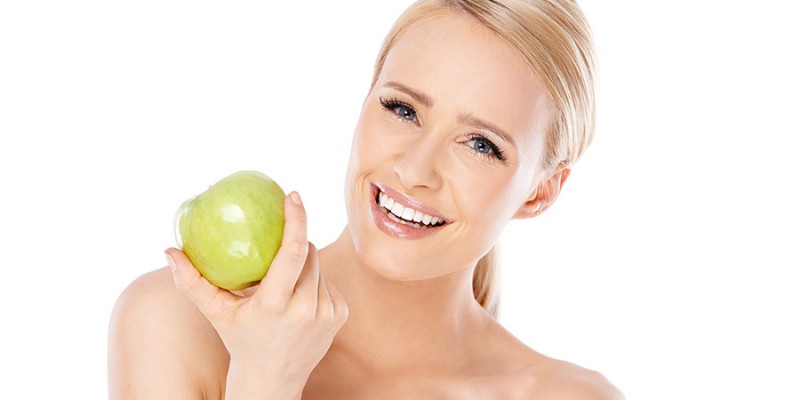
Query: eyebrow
x=479 y=123
x=469 y=119
x=418 y=96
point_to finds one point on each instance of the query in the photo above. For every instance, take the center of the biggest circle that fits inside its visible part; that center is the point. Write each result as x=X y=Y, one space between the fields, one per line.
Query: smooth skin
x=374 y=316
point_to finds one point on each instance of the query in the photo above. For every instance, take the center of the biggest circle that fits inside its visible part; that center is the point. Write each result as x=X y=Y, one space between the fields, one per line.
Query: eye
x=484 y=147
x=401 y=109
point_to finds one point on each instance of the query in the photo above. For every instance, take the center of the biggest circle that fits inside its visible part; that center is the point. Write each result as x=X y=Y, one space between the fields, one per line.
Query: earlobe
x=545 y=194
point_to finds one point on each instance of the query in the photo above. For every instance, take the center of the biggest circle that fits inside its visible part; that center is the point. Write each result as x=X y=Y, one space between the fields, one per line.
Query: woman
x=476 y=112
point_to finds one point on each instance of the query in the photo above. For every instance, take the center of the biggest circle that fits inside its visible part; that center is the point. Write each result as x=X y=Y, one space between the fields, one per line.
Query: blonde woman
x=476 y=112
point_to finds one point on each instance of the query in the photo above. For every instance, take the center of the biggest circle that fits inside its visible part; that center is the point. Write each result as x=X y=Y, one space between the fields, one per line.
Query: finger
x=340 y=309
x=291 y=257
x=325 y=306
x=208 y=298
x=308 y=283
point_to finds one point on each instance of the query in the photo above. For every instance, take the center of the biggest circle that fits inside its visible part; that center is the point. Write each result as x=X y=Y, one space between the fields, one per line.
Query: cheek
x=488 y=201
x=367 y=149
x=367 y=154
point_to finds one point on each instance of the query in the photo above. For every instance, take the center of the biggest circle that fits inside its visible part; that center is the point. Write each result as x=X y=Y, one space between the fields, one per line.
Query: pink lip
x=397 y=229
x=406 y=202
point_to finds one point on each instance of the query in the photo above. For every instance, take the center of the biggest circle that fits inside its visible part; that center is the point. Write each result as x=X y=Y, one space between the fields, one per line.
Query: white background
x=667 y=264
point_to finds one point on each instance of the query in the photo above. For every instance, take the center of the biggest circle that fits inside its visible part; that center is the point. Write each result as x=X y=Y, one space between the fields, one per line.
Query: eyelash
x=392 y=105
x=496 y=153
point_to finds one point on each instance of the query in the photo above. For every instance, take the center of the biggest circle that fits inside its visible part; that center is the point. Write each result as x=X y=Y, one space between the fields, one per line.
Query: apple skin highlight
x=232 y=231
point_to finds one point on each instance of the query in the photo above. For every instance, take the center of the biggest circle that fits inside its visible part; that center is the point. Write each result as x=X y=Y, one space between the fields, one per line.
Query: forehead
x=465 y=68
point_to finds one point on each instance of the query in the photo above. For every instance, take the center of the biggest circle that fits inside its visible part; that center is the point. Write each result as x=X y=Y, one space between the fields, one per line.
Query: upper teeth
x=406 y=213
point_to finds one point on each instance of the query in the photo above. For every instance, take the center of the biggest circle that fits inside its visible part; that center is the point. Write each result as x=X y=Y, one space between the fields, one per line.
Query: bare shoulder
x=528 y=374
x=160 y=345
x=556 y=379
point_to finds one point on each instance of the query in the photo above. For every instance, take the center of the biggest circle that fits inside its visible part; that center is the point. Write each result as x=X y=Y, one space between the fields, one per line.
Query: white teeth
x=406 y=213
x=397 y=209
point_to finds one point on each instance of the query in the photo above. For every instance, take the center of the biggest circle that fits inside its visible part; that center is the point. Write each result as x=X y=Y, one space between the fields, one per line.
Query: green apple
x=232 y=231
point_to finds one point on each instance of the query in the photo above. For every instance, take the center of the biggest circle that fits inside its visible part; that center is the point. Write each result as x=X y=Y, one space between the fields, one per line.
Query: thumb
x=210 y=299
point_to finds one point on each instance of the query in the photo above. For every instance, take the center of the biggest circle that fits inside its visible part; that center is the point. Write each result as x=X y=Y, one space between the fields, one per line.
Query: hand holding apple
x=232 y=231
x=277 y=334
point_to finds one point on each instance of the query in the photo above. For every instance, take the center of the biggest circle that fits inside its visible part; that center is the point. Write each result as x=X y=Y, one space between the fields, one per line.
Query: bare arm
x=161 y=346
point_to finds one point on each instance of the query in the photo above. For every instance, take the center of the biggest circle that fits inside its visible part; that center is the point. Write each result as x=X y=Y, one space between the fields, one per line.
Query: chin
x=380 y=258
x=387 y=256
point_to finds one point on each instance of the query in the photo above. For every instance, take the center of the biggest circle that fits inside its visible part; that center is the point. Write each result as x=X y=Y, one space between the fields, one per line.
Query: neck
x=400 y=324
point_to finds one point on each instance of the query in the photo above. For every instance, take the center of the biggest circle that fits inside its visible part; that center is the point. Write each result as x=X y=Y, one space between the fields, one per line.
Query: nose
x=418 y=165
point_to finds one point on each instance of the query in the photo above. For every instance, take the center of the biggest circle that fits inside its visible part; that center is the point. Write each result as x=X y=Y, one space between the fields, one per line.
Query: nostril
x=414 y=172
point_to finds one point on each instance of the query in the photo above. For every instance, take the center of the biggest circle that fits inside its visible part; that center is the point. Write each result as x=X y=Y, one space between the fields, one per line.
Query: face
x=450 y=139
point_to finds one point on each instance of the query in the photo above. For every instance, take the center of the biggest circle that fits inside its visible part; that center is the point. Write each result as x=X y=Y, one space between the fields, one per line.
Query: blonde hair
x=554 y=39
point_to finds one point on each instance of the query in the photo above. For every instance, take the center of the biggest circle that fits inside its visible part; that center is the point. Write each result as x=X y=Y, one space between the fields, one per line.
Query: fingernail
x=171 y=262
x=296 y=198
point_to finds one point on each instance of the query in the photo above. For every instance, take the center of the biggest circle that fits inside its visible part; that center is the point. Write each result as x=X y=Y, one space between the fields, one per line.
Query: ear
x=545 y=193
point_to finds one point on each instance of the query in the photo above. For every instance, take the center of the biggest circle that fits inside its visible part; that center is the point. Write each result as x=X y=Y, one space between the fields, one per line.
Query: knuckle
x=306 y=312
x=181 y=286
x=296 y=250
x=326 y=311
x=186 y=286
x=343 y=317
x=342 y=313
x=299 y=219
x=274 y=305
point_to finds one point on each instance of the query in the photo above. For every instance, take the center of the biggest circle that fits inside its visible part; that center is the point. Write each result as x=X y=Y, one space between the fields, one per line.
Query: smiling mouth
x=406 y=215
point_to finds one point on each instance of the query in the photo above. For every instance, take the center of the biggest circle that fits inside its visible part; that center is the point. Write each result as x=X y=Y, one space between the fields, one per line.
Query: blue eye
x=484 y=147
x=401 y=109
x=481 y=146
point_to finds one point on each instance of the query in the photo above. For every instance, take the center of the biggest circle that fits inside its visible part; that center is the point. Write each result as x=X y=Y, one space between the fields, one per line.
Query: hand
x=277 y=333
